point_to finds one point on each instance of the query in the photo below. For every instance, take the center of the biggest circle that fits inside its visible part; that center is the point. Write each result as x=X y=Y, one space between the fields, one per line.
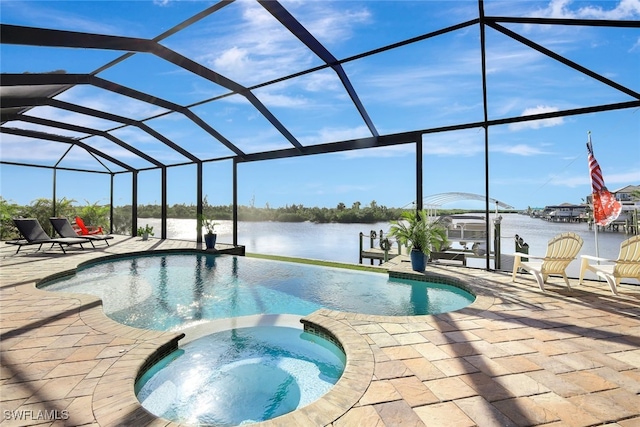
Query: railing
x=383 y=250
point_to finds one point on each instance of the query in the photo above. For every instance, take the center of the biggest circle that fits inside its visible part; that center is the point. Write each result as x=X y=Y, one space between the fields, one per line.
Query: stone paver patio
x=516 y=356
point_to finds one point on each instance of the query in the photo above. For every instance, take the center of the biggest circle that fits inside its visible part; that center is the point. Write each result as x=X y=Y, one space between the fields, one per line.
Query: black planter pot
x=210 y=240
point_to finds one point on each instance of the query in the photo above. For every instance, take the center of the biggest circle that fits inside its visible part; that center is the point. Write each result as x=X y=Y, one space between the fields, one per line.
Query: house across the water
x=565 y=212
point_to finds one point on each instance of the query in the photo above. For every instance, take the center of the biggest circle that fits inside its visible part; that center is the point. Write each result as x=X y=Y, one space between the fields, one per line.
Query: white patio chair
x=561 y=250
x=626 y=266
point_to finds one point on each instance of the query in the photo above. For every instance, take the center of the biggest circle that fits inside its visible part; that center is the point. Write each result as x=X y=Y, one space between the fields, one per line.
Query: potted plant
x=145 y=231
x=210 y=237
x=421 y=236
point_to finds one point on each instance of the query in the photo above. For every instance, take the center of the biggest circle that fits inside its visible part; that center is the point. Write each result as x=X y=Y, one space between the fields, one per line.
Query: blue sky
x=435 y=82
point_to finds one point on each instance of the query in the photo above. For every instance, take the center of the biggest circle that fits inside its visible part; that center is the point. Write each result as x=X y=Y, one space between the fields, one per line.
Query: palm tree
x=417 y=232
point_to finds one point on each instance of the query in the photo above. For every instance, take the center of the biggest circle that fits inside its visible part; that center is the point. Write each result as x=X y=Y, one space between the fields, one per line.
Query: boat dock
x=465 y=257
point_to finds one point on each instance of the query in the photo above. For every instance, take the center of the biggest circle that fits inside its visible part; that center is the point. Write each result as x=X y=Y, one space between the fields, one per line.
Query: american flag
x=606 y=208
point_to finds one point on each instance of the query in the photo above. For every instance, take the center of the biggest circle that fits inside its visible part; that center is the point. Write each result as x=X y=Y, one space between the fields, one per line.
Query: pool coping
x=352 y=385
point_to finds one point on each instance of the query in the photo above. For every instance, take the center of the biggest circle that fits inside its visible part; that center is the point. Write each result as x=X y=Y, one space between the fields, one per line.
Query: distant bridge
x=435 y=201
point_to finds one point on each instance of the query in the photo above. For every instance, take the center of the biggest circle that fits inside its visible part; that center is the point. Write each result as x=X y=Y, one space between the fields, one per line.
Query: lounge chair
x=64 y=229
x=34 y=234
x=627 y=266
x=561 y=250
x=87 y=230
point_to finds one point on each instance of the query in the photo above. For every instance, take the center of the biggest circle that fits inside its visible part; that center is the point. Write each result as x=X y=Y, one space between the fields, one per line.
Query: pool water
x=173 y=291
x=240 y=376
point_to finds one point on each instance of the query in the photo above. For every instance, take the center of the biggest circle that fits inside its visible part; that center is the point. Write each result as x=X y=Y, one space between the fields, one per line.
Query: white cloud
x=71 y=117
x=17 y=148
x=419 y=82
x=266 y=139
x=625 y=9
x=232 y=59
x=381 y=152
x=313 y=86
x=98 y=100
x=279 y=100
x=101 y=100
x=512 y=58
x=537 y=124
x=40 y=128
x=626 y=178
x=612 y=180
x=454 y=148
x=257 y=48
x=330 y=25
x=462 y=143
x=321 y=81
x=471 y=143
x=328 y=134
x=563 y=39
x=38 y=13
x=518 y=149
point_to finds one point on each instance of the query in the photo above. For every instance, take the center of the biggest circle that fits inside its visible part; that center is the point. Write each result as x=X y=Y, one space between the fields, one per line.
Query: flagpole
x=595 y=224
x=606 y=208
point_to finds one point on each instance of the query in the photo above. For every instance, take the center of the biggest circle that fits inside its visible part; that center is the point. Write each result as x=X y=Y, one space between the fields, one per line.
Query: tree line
x=289 y=213
x=98 y=215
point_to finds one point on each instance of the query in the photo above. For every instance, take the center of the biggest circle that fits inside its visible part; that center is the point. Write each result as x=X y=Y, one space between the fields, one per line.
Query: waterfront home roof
x=627 y=189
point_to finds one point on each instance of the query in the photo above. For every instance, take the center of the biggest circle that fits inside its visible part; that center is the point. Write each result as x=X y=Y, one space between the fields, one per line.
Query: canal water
x=340 y=242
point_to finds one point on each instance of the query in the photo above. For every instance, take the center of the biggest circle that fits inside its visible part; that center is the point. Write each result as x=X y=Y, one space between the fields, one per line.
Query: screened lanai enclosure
x=204 y=99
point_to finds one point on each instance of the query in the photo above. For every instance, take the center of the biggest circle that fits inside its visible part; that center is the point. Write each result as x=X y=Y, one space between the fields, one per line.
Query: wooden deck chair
x=627 y=266
x=86 y=230
x=561 y=250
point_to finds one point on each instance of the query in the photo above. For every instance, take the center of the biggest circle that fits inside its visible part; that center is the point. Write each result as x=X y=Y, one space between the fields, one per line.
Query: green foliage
x=94 y=214
x=415 y=231
x=289 y=213
x=147 y=229
x=42 y=209
x=122 y=222
x=290 y=217
x=8 y=211
x=208 y=224
x=206 y=218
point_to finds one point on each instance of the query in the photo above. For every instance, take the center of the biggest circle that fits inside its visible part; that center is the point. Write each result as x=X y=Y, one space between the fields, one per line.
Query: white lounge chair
x=627 y=266
x=561 y=250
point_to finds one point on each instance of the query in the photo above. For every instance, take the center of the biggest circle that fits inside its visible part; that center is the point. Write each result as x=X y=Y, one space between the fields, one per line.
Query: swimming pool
x=174 y=291
x=241 y=375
